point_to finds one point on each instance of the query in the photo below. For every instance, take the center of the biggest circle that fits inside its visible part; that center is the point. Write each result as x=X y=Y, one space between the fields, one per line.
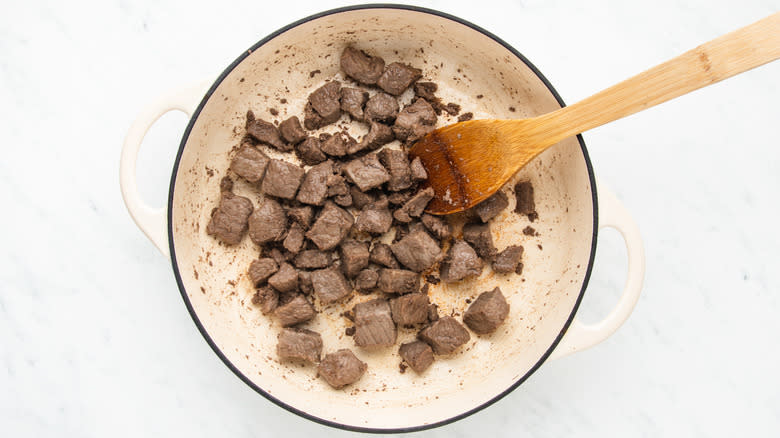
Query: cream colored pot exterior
x=466 y=63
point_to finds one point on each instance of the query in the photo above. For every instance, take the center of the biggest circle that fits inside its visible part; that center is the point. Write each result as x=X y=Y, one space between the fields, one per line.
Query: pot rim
x=210 y=341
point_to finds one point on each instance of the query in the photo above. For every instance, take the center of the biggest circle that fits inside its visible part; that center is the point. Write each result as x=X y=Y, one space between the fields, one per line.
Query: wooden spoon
x=468 y=161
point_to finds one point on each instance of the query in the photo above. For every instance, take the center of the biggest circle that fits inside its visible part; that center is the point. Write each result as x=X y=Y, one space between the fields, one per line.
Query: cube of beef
x=331 y=226
x=444 y=335
x=397 y=77
x=382 y=254
x=417 y=354
x=314 y=187
x=360 y=199
x=343 y=200
x=294 y=240
x=492 y=206
x=278 y=256
x=366 y=172
x=325 y=101
x=437 y=226
x=292 y=131
x=418 y=170
x=410 y=309
x=341 y=368
x=266 y=132
x=310 y=151
x=524 y=195
x=354 y=257
x=480 y=237
x=352 y=102
x=267 y=223
x=378 y=135
x=366 y=279
x=330 y=285
x=397 y=163
x=398 y=281
x=373 y=324
x=336 y=144
x=282 y=179
x=361 y=66
x=337 y=186
x=415 y=121
x=296 y=311
x=487 y=312
x=508 y=260
x=415 y=206
x=311 y=118
x=301 y=215
x=433 y=313
x=249 y=163
x=261 y=269
x=228 y=222
x=427 y=90
x=381 y=107
x=285 y=279
x=374 y=218
x=266 y=298
x=304 y=282
x=399 y=198
x=461 y=262
x=299 y=344
x=417 y=251
x=312 y=259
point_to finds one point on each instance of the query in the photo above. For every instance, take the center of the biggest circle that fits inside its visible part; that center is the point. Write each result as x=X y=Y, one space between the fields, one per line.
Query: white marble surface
x=95 y=340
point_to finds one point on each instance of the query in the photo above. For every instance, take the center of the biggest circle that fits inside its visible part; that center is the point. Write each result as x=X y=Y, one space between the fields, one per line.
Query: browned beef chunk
x=352 y=102
x=487 y=312
x=417 y=354
x=433 y=313
x=330 y=285
x=268 y=223
x=524 y=194
x=366 y=172
x=225 y=185
x=354 y=257
x=374 y=324
x=285 y=279
x=427 y=90
x=508 y=259
x=292 y=131
x=360 y=199
x=341 y=368
x=479 y=236
x=343 y=200
x=381 y=107
x=336 y=144
x=266 y=298
x=397 y=77
x=410 y=309
x=278 y=256
x=312 y=259
x=437 y=226
x=296 y=311
x=300 y=344
x=375 y=218
x=397 y=163
x=399 y=198
x=331 y=226
x=266 y=132
x=378 y=135
x=382 y=254
x=465 y=117
x=417 y=251
x=314 y=187
x=418 y=170
x=310 y=151
x=261 y=269
x=415 y=206
x=304 y=282
x=491 y=207
x=301 y=215
x=398 y=281
x=361 y=66
x=414 y=121
x=461 y=262
x=445 y=335
x=228 y=222
x=325 y=101
x=282 y=179
x=311 y=118
x=249 y=163
x=294 y=240
x=366 y=279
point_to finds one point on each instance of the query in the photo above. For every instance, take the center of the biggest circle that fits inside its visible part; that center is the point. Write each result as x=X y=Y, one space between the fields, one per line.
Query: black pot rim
x=211 y=342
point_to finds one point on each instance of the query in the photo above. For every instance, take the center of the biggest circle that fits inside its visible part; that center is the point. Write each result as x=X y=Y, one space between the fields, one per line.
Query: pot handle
x=581 y=336
x=152 y=221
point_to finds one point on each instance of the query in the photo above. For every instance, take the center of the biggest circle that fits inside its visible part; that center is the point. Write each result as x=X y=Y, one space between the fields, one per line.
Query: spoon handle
x=711 y=62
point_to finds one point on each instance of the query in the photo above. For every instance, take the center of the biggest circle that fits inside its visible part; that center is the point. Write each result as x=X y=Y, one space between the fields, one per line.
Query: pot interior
x=466 y=64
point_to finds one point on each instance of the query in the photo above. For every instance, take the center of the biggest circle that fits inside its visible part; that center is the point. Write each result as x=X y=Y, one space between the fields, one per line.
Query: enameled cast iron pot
x=544 y=300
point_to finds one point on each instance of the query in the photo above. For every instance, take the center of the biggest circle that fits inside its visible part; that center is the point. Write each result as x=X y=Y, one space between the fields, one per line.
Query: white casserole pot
x=465 y=61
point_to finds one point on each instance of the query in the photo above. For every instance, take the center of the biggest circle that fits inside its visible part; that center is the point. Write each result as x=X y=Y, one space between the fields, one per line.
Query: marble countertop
x=95 y=341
